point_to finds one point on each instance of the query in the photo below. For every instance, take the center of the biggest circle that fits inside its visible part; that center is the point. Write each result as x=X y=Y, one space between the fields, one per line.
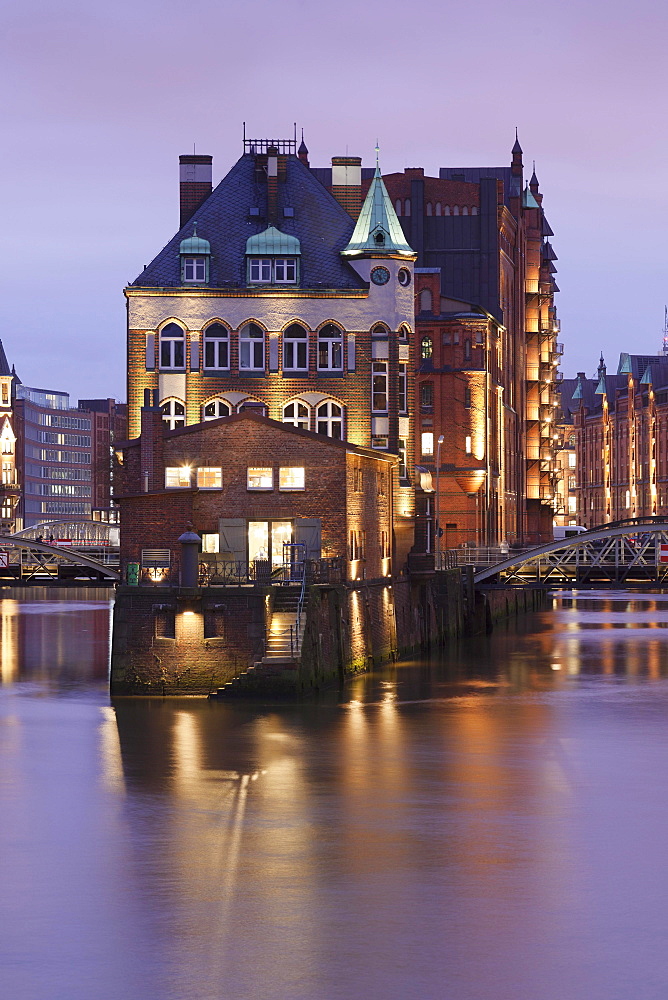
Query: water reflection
x=482 y=824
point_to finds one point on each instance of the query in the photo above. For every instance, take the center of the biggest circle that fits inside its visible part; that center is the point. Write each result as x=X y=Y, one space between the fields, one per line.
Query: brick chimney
x=195 y=183
x=151 y=448
x=347 y=183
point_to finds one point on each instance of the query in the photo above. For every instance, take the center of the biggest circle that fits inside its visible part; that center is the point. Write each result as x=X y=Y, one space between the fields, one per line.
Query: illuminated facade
x=486 y=331
x=273 y=298
x=619 y=424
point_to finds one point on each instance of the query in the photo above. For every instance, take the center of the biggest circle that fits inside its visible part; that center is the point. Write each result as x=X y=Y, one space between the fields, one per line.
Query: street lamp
x=438 y=498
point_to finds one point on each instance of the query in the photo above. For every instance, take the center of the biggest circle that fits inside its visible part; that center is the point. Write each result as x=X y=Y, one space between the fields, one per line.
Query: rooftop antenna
x=377 y=152
x=665 y=331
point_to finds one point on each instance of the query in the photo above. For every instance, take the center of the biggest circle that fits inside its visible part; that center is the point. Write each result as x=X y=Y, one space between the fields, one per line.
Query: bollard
x=190 y=543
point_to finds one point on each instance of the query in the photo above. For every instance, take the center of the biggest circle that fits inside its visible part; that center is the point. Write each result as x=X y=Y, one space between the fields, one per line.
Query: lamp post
x=438 y=501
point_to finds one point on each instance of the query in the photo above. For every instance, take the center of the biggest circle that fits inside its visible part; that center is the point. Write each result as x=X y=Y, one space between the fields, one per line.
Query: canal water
x=490 y=824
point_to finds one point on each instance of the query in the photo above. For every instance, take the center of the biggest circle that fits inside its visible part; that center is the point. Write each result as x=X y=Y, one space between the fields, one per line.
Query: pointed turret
x=378 y=230
x=517 y=149
x=533 y=183
x=302 y=152
x=4 y=364
x=600 y=389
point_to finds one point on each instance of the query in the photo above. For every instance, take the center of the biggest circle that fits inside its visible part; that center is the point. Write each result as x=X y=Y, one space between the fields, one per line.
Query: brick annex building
x=618 y=426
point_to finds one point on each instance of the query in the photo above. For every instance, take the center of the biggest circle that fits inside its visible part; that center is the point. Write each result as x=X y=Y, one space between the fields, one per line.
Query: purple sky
x=100 y=100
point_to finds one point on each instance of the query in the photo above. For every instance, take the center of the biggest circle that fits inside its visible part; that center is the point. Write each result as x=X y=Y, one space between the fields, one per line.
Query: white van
x=563 y=531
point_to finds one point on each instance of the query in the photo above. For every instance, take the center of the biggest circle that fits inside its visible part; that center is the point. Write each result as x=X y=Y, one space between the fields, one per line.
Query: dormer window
x=195 y=253
x=194 y=269
x=273 y=258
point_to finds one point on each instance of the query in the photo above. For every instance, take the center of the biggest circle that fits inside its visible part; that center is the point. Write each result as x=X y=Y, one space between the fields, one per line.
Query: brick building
x=252 y=486
x=619 y=428
x=277 y=297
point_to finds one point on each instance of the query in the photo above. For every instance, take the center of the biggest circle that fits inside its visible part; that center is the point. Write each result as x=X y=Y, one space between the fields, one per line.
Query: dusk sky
x=100 y=100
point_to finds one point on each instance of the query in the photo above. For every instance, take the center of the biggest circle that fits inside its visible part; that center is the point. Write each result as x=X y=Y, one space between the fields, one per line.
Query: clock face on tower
x=380 y=276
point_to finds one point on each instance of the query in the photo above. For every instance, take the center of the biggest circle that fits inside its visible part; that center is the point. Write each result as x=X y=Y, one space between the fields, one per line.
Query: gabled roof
x=321 y=225
x=378 y=229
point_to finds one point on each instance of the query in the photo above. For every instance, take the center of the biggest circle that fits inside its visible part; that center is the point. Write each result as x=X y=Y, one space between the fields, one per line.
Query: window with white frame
x=260 y=478
x=401 y=452
x=173 y=413
x=572 y=460
x=330 y=348
x=291 y=478
x=468 y=445
x=216 y=408
x=194 y=269
x=209 y=478
x=329 y=419
x=402 y=394
x=216 y=347
x=177 y=477
x=379 y=386
x=297 y=414
x=270 y=270
x=295 y=349
x=427 y=443
x=573 y=505
x=172 y=347
x=251 y=348
x=379 y=442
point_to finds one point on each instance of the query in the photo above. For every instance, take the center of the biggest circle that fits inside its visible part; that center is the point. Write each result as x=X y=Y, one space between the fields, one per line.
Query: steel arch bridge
x=624 y=553
x=26 y=559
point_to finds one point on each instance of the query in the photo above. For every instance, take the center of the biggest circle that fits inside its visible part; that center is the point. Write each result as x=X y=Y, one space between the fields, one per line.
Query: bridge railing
x=481 y=555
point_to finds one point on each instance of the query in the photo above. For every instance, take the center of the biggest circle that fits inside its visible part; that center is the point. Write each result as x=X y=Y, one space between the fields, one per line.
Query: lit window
x=194 y=269
x=177 y=478
x=330 y=419
x=291 y=479
x=261 y=479
x=209 y=478
x=297 y=414
x=295 y=349
x=402 y=396
x=216 y=347
x=216 y=408
x=573 y=505
x=173 y=413
x=572 y=460
x=426 y=348
x=330 y=348
x=468 y=444
x=210 y=541
x=427 y=443
x=379 y=386
x=251 y=348
x=401 y=452
x=172 y=347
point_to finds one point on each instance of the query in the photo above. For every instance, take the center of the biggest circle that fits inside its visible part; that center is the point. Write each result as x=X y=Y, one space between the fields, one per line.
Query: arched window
x=397 y=206
x=465 y=210
x=379 y=330
x=330 y=348
x=455 y=210
x=407 y=206
x=297 y=414
x=216 y=347
x=251 y=348
x=173 y=413
x=329 y=419
x=172 y=346
x=426 y=347
x=429 y=208
x=446 y=210
x=295 y=349
x=438 y=208
x=216 y=408
x=474 y=210
x=425 y=300
x=404 y=332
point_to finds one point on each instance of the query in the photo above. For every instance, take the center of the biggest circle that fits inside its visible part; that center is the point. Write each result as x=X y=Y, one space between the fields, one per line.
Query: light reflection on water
x=484 y=824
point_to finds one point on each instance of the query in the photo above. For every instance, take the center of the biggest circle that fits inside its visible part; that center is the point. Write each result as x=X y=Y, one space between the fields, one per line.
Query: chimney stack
x=195 y=183
x=347 y=183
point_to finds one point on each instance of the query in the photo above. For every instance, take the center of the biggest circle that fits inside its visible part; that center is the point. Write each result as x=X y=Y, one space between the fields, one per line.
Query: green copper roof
x=578 y=390
x=600 y=389
x=528 y=200
x=195 y=244
x=378 y=229
x=272 y=242
x=624 y=364
x=647 y=376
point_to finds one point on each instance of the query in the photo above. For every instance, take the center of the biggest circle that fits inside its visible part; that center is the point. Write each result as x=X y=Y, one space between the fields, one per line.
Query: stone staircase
x=278 y=667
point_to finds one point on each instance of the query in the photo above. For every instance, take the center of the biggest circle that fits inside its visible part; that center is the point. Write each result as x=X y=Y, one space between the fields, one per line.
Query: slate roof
x=4 y=365
x=321 y=225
